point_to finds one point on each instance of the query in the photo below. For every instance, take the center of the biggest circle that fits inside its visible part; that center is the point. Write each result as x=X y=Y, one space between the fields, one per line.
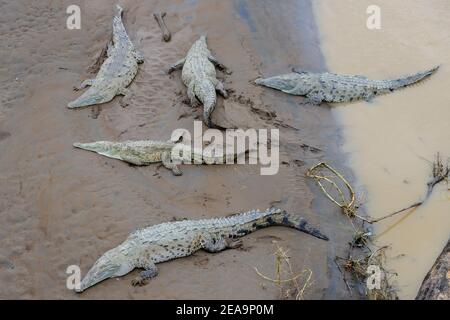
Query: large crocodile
x=330 y=87
x=155 y=244
x=116 y=73
x=199 y=76
x=145 y=152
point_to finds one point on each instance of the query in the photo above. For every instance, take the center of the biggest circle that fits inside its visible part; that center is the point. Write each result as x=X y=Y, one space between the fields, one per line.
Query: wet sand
x=60 y=206
x=393 y=140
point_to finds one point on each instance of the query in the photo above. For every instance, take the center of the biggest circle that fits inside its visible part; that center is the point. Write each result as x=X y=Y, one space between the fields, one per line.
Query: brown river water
x=392 y=141
x=60 y=206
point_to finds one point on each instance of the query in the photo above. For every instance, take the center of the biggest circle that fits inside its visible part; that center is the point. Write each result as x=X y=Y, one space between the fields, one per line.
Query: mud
x=59 y=207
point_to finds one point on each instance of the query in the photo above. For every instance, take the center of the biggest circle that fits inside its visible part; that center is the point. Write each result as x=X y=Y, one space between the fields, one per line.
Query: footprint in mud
x=296 y=162
x=270 y=237
x=203 y=262
x=309 y=148
x=95 y=111
x=6 y=264
x=4 y=135
x=264 y=114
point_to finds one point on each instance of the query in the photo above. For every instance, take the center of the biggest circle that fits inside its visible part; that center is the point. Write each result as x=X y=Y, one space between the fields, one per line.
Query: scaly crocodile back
x=331 y=87
x=225 y=224
x=205 y=91
x=236 y=225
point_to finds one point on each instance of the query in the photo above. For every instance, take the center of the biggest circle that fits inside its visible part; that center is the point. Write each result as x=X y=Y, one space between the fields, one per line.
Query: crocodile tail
x=207 y=95
x=390 y=85
x=90 y=97
x=298 y=223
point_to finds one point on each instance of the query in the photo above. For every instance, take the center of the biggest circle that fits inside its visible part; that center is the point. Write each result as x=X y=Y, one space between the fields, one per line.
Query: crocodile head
x=113 y=263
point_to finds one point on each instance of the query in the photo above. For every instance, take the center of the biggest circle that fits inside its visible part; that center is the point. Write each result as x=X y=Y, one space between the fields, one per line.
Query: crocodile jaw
x=95 y=276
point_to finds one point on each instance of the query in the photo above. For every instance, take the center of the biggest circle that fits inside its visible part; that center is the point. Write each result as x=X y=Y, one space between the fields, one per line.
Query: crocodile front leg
x=84 y=84
x=216 y=62
x=212 y=244
x=191 y=95
x=139 y=56
x=150 y=271
x=313 y=98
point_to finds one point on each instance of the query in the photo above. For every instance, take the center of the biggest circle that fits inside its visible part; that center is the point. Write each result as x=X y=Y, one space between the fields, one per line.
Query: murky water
x=392 y=140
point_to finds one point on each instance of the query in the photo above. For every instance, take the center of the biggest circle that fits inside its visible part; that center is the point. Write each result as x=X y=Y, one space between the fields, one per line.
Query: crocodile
x=146 y=152
x=330 y=87
x=116 y=73
x=199 y=76
x=144 y=248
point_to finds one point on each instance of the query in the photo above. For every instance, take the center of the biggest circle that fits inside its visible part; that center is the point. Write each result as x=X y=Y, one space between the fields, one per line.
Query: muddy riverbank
x=60 y=206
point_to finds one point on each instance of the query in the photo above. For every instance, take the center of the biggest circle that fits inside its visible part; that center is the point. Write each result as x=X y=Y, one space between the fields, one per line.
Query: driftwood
x=436 y=285
x=159 y=17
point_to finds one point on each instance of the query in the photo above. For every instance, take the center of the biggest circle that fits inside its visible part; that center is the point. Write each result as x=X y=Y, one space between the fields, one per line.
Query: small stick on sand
x=165 y=31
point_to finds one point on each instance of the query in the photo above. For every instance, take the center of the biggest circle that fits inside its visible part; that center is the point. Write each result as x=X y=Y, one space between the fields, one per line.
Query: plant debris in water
x=361 y=254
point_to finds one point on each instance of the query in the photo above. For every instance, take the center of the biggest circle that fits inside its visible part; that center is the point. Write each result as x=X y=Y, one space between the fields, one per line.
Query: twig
x=159 y=17
x=415 y=205
x=343 y=276
x=277 y=281
x=281 y=256
x=348 y=206
x=440 y=173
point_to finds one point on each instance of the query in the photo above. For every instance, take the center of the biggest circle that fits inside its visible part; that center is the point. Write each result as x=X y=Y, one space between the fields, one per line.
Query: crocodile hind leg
x=123 y=92
x=84 y=84
x=126 y=97
x=191 y=95
x=176 y=66
x=212 y=244
x=221 y=89
x=150 y=271
x=167 y=163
